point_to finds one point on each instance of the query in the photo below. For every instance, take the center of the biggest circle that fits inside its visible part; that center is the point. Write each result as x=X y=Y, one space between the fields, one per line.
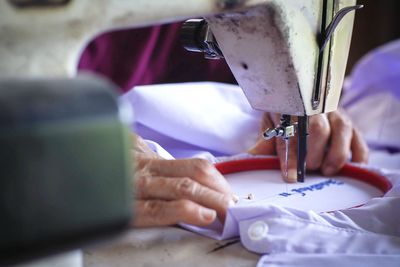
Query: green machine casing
x=65 y=166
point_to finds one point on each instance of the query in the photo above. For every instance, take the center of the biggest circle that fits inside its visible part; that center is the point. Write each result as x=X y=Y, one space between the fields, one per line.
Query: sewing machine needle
x=286 y=160
x=286 y=156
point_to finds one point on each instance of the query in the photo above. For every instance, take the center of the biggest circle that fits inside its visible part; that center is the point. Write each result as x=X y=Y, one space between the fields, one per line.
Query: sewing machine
x=288 y=56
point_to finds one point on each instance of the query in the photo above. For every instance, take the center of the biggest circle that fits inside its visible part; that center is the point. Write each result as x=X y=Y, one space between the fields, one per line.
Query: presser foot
x=286 y=130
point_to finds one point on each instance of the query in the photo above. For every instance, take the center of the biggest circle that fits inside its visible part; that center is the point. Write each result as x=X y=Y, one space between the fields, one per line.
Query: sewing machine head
x=289 y=57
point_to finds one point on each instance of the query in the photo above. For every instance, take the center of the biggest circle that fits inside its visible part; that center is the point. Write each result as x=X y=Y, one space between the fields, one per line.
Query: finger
x=339 y=149
x=266 y=122
x=159 y=213
x=289 y=168
x=359 y=148
x=140 y=147
x=199 y=170
x=319 y=133
x=183 y=188
x=264 y=147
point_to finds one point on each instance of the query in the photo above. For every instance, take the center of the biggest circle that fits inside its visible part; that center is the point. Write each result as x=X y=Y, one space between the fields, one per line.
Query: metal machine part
x=287 y=81
x=335 y=22
x=65 y=165
x=196 y=36
x=288 y=35
x=304 y=45
x=321 y=90
x=285 y=129
x=302 y=134
x=46 y=37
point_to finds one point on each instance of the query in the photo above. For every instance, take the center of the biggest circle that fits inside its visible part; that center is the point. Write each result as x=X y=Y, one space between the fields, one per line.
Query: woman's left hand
x=332 y=139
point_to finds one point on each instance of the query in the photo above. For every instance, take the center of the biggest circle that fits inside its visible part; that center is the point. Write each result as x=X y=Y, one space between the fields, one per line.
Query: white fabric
x=329 y=260
x=373 y=228
x=195 y=114
x=198 y=118
x=318 y=193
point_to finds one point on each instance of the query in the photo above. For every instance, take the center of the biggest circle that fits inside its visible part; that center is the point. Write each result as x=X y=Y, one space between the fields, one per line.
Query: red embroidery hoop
x=351 y=171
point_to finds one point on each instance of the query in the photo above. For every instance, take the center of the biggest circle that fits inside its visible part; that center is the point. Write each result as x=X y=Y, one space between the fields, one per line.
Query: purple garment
x=372 y=97
x=271 y=229
x=150 y=55
x=376 y=72
x=328 y=260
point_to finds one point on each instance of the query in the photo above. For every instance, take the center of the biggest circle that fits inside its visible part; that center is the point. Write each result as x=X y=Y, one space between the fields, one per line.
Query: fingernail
x=235 y=198
x=231 y=203
x=328 y=170
x=208 y=215
x=291 y=176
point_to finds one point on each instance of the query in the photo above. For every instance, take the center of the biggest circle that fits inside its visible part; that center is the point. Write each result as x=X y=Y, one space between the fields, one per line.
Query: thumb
x=263 y=147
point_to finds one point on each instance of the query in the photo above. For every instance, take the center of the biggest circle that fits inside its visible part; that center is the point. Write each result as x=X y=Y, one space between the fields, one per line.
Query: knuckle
x=185 y=206
x=338 y=159
x=344 y=123
x=154 y=209
x=185 y=187
x=201 y=167
x=341 y=121
x=319 y=126
x=142 y=183
x=225 y=200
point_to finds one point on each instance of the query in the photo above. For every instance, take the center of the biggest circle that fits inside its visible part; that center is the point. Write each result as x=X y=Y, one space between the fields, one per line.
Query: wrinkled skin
x=170 y=191
x=193 y=191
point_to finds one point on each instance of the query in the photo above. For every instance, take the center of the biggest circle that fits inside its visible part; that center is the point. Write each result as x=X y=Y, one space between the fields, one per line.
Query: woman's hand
x=331 y=141
x=178 y=191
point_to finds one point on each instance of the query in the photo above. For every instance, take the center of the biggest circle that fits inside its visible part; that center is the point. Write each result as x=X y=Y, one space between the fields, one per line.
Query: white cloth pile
x=211 y=120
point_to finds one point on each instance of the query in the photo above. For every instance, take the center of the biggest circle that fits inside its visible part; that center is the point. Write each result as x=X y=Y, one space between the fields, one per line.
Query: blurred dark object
x=65 y=166
x=376 y=24
x=196 y=36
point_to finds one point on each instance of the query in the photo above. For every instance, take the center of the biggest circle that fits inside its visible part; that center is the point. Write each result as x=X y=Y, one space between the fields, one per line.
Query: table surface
x=168 y=246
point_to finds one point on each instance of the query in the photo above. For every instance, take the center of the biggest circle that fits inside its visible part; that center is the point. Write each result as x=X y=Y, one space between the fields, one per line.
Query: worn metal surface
x=169 y=247
x=273 y=51
x=340 y=46
x=47 y=41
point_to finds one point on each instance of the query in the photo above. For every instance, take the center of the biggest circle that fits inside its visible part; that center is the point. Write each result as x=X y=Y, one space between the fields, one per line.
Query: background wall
x=377 y=23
